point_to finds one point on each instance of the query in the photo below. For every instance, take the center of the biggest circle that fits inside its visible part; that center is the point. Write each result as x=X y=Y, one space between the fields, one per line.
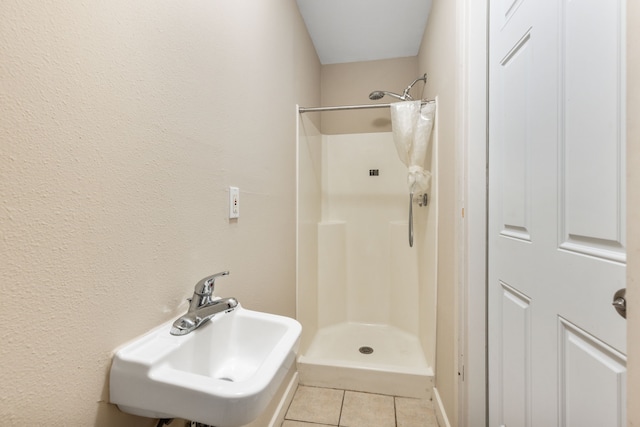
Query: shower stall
x=365 y=297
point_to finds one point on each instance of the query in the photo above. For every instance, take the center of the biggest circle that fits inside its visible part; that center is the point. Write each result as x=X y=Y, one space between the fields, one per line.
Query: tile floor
x=321 y=407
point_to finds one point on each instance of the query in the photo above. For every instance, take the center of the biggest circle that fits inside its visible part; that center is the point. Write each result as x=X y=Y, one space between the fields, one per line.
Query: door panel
x=592 y=380
x=515 y=128
x=515 y=358
x=591 y=142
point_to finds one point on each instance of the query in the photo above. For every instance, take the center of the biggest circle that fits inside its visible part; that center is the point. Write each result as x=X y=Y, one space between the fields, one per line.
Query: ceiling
x=365 y=30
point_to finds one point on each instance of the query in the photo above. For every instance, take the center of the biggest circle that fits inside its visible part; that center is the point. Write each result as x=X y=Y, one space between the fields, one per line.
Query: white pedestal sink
x=223 y=374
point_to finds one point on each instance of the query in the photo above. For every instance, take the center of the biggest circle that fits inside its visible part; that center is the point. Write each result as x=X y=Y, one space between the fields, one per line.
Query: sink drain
x=365 y=350
x=226 y=379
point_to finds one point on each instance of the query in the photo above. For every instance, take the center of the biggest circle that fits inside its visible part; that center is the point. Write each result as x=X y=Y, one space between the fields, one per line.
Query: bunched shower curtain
x=412 y=123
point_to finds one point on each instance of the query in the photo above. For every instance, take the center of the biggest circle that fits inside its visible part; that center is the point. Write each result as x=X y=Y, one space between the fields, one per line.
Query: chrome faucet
x=202 y=307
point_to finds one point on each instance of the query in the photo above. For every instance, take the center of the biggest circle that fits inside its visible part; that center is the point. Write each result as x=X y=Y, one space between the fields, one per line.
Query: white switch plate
x=234 y=202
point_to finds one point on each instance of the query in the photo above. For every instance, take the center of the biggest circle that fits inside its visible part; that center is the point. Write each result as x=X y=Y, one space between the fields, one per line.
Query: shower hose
x=411 y=219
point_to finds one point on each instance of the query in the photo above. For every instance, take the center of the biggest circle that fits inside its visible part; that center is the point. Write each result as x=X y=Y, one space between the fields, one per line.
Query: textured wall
x=438 y=58
x=122 y=124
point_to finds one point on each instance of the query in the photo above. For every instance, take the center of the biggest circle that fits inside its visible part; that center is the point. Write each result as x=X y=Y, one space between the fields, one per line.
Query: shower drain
x=365 y=350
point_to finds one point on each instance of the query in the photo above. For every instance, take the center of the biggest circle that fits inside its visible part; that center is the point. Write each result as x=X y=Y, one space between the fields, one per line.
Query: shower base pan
x=340 y=356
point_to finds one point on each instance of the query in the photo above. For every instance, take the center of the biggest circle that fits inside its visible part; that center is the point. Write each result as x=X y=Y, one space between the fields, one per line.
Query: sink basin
x=223 y=374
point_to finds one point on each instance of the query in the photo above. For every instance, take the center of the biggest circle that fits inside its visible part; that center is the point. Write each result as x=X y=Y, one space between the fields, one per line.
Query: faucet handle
x=205 y=286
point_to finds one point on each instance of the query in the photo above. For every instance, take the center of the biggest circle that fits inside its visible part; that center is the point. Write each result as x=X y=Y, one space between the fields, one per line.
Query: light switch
x=234 y=202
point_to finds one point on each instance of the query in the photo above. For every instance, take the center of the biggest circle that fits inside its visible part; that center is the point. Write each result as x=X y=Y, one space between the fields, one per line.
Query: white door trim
x=472 y=226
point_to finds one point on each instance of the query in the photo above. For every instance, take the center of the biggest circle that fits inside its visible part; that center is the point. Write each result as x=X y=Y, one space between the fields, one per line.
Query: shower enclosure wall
x=360 y=287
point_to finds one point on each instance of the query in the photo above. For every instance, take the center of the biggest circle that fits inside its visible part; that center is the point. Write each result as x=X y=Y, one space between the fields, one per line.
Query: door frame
x=472 y=161
x=633 y=205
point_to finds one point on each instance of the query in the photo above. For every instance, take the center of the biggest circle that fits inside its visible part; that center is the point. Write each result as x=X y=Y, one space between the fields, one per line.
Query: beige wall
x=122 y=124
x=437 y=58
x=351 y=84
x=633 y=206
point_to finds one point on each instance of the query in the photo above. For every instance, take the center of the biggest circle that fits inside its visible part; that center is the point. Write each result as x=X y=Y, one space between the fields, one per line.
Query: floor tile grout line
x=315 y=424
x=306 y=421
x=290 y=403
x=311 y=422
x=344 y=392
x=354 y=391
x=395 y=412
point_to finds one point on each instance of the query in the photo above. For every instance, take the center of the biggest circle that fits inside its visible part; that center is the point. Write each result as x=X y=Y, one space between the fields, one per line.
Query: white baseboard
x=441 y=414
x=283 y=406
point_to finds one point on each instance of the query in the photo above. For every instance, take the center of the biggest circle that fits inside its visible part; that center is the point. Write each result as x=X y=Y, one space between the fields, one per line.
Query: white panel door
x=556 y=213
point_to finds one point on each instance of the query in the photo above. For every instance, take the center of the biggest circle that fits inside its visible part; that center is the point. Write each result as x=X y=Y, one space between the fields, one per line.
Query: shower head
x=376 y=94
x=379 y=94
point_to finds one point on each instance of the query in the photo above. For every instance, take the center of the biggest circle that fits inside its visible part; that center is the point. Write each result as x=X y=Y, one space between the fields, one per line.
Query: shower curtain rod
x=352 y=107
